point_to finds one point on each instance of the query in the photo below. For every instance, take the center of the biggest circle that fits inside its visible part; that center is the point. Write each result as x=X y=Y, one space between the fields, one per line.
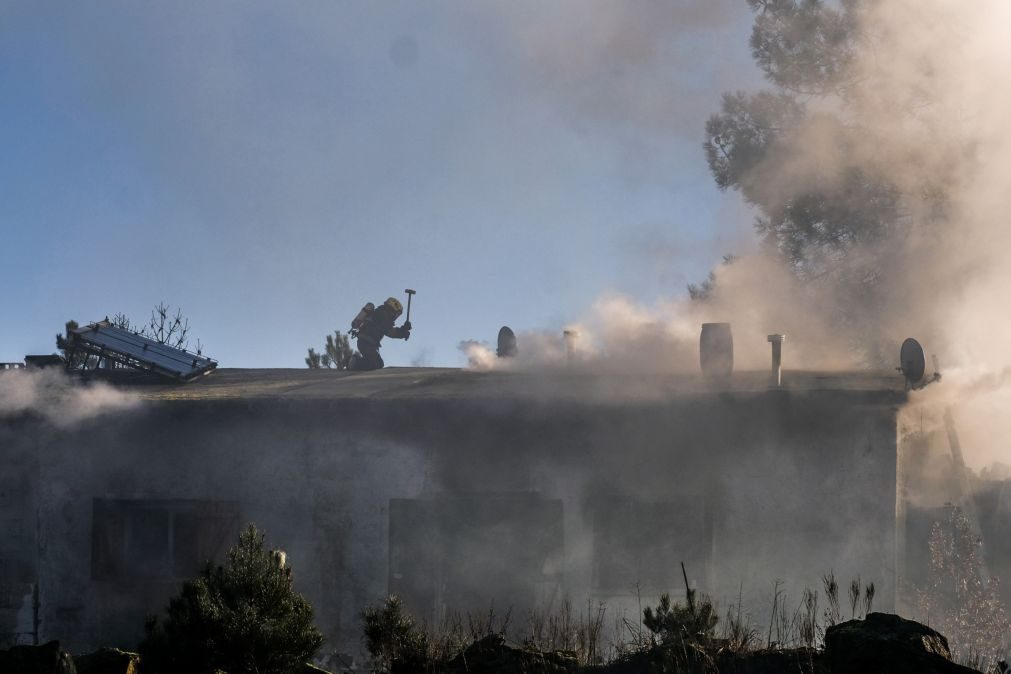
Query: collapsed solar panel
x=104 y=340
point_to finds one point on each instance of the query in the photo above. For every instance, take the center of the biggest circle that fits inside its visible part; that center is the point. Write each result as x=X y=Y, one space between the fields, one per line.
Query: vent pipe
x=777 y=359
x=716 y=350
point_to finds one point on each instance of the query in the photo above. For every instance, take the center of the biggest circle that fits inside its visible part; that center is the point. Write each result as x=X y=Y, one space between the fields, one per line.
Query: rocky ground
x=881 y=642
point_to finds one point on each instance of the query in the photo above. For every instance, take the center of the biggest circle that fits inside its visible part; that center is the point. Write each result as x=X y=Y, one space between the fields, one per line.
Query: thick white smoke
x=55 y=397
x=755 y=294
x=927 y=89
x=933 y=83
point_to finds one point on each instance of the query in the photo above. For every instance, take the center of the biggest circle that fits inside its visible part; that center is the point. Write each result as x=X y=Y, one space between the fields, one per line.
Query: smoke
x=538 y=349
x=927 y=90
x=756 y=294
x=924 y=104
x=53 y=396
x=931 y=87
x=623 y=63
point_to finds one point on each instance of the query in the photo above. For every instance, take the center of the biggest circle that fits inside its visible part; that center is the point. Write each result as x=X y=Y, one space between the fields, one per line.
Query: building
x=456 y=489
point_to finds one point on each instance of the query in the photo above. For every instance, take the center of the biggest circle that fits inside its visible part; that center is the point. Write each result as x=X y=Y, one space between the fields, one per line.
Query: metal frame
x=136 y=351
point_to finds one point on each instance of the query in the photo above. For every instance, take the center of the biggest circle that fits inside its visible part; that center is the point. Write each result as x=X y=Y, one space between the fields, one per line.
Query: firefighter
x=370 y=326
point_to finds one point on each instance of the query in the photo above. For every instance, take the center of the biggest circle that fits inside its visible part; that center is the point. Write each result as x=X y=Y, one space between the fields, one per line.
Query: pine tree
x=243 y=617
x=336 y=354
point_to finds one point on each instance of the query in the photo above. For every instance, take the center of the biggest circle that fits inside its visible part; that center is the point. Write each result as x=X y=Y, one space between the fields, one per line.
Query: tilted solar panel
x=104 y=340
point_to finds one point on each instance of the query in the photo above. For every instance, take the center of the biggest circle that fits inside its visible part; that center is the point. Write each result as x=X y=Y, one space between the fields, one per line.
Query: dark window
x=469 y=553
x=159 y=539
x=644 y=542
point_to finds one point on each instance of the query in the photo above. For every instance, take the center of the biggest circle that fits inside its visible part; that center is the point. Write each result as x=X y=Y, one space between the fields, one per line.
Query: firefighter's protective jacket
x=380 y=324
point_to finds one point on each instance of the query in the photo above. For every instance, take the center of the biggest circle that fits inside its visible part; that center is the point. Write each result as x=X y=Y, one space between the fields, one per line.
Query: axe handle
x=409 y=296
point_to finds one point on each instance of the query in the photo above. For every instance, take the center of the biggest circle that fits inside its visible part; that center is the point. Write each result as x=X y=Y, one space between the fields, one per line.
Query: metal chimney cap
x=777 y=338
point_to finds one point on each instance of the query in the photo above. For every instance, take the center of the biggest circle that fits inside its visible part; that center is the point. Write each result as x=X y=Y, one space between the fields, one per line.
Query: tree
x=243 y=617
x=312 y=360
x=958 y=600
x=121 y=320
x=336 y=354
x=810 y=158
x=674 y=622
x=166 y=328
x=394 y=640
x=804 y=48
x=703 y=291
x=73 y=359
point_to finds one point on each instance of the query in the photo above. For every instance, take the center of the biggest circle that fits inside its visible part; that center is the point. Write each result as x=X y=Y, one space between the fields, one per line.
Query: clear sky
x=269 y=167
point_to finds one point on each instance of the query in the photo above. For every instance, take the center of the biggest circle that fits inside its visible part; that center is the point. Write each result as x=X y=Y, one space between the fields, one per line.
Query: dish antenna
x=506 y=343
x=913 y=365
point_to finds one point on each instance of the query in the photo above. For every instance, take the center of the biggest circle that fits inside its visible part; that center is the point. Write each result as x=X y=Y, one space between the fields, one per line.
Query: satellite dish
x=506 y=343
x=912 y=364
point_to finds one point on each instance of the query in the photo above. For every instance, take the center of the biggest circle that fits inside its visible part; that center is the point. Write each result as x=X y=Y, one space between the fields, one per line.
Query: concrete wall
x=18 y=542
x=744 y=488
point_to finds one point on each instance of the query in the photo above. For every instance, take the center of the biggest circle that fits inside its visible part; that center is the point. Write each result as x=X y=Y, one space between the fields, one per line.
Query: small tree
x=958 y=600
x=74 y=360
x=672 y=622
x=166 y=328
x=313 y=359
x=393 y=639
x=243 y=617
x=122 y=321
x=336 y=354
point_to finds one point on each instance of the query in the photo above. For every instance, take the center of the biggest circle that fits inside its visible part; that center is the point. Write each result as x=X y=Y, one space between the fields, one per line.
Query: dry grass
x=670 y=636
x=566 y=630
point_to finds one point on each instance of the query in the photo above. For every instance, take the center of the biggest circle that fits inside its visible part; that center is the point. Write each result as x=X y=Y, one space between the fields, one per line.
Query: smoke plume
x=923 y=103
x=53 y=396
x=623 y=63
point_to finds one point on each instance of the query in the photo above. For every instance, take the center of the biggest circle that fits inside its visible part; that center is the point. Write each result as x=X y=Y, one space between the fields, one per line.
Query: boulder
x=45 y=659
x=771 y=661
x=108 y=661
x=888 y=644
x=493 y=654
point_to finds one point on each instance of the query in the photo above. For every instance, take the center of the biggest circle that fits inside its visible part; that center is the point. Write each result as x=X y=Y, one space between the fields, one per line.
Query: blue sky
x=268 y=167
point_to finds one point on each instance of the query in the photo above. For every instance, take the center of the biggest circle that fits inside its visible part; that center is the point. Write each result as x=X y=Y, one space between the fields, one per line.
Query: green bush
x=671 y=621
x=394 y=640
x=243 y=617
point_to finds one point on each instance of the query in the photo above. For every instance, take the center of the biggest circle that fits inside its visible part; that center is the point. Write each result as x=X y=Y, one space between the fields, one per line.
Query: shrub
x=958 y=600
x=671 y=621
x=394 y=640
x=243 y=617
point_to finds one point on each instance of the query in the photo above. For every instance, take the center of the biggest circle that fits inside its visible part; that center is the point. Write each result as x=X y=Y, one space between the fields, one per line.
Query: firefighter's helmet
x=394 y=303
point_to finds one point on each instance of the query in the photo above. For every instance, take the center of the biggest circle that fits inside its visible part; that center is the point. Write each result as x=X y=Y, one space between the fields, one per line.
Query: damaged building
x=457 y=490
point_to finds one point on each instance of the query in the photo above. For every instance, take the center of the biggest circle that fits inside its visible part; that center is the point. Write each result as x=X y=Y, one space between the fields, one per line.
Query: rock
x=772 y=661
x=44 y=659
x=494 y=655
x=108 y=661
x=888 y=644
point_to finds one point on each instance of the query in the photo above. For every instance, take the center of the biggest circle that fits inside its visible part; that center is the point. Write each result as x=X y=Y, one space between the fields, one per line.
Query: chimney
x=570 y=345
x=777 y=359
x=716 y=351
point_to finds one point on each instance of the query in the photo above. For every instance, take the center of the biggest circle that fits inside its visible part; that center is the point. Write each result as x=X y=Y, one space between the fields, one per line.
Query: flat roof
x=454 y=383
